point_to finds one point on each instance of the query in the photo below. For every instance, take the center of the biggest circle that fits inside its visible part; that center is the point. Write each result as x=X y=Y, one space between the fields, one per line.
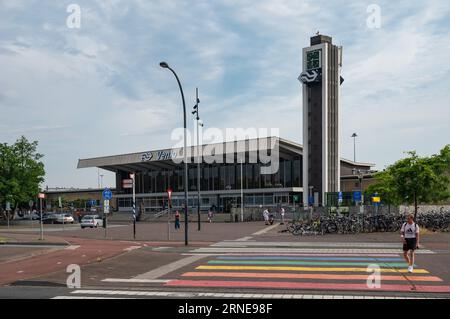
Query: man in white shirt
x=282 y=215
x=410 y=235
x=266 y=216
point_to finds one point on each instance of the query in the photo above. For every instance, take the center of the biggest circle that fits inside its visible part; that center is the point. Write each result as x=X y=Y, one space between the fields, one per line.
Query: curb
x=33 y=244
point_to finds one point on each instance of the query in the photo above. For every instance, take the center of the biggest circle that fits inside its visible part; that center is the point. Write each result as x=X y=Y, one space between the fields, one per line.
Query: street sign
x=311 y=200
x=127 y=183
x=59 y=202
x=8 y=206
x=41 y=196
x=106 y=206
x=107 y=194
x=340 y=197
x=376 y=199
x=357 y=196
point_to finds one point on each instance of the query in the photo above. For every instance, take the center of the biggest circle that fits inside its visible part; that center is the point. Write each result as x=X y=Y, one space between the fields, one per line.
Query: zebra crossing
x=308 y=266
x=280 y=270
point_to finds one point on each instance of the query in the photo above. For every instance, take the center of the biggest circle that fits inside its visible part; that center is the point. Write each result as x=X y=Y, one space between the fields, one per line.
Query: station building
x=235 y=173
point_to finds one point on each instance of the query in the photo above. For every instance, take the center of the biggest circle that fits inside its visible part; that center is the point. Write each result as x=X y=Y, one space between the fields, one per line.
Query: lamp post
x=354 y=146
x=199 y=152
x=133 y=177
x=164 y=65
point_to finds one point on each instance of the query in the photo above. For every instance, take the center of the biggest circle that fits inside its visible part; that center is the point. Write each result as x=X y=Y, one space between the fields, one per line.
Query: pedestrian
x=282 y=211
x=210 y=216
x=177 y=220
x=266 y=216
x=410 y=236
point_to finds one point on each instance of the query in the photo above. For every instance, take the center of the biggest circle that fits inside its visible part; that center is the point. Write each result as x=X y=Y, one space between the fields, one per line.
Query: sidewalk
x=30 y=239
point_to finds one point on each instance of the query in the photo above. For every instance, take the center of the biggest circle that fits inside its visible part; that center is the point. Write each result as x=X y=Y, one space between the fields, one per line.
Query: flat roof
x=166 y=158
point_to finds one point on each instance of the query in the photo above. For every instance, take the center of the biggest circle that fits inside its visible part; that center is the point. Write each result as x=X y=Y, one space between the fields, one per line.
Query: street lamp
x=354 y=146
x=164 y=65
x=197 y=117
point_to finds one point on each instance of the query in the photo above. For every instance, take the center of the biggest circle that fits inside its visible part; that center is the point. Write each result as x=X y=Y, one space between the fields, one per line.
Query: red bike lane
x=80 y=252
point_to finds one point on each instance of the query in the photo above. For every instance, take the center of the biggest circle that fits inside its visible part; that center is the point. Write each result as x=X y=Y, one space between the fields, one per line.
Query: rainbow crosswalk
x=284 y=266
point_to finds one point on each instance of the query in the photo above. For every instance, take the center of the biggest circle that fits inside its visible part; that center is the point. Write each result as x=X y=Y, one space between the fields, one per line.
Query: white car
x=64 y=219
x=92 y=221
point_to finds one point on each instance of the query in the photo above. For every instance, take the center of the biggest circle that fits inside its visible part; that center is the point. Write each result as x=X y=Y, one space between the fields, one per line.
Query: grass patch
x=3 y=240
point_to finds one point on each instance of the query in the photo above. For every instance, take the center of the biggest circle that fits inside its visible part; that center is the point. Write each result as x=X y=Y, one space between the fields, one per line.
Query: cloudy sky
x=98 y=90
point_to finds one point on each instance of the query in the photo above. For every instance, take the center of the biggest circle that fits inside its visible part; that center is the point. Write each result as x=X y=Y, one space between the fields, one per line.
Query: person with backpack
x=410 y=236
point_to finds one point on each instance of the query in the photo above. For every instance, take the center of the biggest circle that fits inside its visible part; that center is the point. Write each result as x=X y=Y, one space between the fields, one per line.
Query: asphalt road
x=225 y=261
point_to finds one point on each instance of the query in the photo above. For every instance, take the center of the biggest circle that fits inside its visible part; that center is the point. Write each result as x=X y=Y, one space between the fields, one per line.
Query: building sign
x=127 y=183
x=158 y=156
x=146 y=157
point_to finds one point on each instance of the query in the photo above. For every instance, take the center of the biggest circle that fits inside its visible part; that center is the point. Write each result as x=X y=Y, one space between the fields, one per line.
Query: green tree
x=21 y=172
x=415 y=179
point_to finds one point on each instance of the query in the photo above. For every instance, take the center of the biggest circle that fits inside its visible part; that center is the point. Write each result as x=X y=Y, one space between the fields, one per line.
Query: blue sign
x=107 y=194
x=92 y=202
x=357 y=196
x=311 y=200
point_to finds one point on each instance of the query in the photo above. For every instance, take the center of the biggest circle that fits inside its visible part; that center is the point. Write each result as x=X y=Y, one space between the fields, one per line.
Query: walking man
x=266 y=216
x=282 y=211
x=177 y=220
x=410 y=235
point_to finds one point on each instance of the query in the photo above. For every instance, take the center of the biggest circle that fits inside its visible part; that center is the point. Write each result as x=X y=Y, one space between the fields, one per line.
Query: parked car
x=33 y=216
x=49 y=218
x=64 y=219
x=92 y=221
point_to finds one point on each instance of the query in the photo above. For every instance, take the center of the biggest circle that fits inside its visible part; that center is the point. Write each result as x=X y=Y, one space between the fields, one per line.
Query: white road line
x=137 y=281
x=73 y=247
x=163 y=270
x=265 y=230
x=238 y=240
x=180 y=294
x=131 y=248
x=209 y=250
x=79 y=297
x=243 y=243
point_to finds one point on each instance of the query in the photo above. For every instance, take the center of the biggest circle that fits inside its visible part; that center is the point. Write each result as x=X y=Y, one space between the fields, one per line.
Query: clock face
x=314 y=60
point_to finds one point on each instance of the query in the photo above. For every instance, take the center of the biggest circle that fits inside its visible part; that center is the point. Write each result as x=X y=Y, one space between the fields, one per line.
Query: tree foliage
x=415 y=179
x=21 y=173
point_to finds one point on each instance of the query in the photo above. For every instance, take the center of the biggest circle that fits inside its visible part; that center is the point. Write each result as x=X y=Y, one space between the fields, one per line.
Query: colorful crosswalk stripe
x=303 y=263
x=334 y=258
x=309 y=269
x=306 y=285
x=404 y=278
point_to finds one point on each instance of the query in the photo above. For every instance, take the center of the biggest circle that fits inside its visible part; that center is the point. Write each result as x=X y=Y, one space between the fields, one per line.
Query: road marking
x=73 y=247
x=304 y=285
x=315 y=269
x=179 y=294
x=134 y=280
x=309 y=276
x=304 y=244
x=161 y=271
x=241 y=239
x=131 y=248
x=265 y=230
x=308 y=258
x=224 y=250
x=275 y=255
x=87 y=297
x=303 y=263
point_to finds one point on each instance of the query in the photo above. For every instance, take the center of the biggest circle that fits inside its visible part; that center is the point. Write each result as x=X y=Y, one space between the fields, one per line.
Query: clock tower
x=321 y=79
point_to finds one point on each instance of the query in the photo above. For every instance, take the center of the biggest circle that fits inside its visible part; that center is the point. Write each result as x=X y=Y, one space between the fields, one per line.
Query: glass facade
x=218 y=177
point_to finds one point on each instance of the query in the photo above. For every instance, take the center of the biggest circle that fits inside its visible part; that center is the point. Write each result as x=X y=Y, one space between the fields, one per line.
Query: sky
x=98 y=89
